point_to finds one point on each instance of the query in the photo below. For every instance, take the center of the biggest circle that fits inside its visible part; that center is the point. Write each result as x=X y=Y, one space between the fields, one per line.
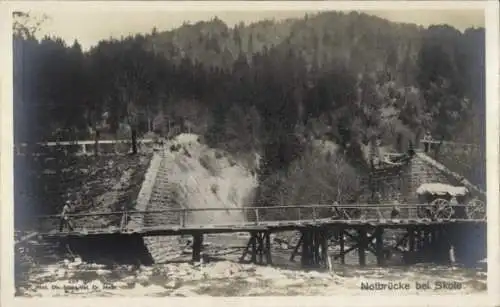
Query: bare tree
x=321 y=177
x=96 y=132
x=129 y=94
x=132 y=120
x=25 y=25
x=317 y=177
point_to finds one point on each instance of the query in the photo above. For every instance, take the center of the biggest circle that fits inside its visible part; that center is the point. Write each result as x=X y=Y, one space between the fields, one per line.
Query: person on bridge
x=65 y=218
x=337 y=214
x=125 y=217
x=454 y=203
x=427 y=140
x=395 y=211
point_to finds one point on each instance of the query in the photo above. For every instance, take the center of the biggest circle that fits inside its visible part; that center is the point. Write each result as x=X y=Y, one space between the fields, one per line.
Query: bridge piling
x=437 y=240
x=431 y=244
x=420 y=240
x=253 y=240
x=423 y=244
x=446 y=245
x=316 y=246
x=434 y=244
x=324 y=247
x=306 y=247
x=426 y=246
x=410 y=259
x=379 y=234
x=362 y=241
x=296 y=249
x=342 y=246
x=197 y=245
x=268 y=247
x=259 y=247
x=443 y=245
x=314 y=243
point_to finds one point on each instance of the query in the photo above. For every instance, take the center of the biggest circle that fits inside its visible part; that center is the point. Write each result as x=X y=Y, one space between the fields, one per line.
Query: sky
x=89 y=27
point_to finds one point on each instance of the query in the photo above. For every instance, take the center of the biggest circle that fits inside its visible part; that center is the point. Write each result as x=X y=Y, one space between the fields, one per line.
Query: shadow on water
x=111 y=248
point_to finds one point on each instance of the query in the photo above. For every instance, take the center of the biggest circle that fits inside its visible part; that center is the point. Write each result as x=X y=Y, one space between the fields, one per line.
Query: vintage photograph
x=249 y=153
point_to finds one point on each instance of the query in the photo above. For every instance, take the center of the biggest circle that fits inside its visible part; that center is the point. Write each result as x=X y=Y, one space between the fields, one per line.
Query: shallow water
x=224 y=276
x=227 y=278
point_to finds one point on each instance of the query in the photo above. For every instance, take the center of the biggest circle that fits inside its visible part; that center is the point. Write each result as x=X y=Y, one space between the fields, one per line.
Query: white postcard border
x=493 y=161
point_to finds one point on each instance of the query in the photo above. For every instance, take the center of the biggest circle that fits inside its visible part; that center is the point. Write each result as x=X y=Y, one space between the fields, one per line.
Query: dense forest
x=269 y=87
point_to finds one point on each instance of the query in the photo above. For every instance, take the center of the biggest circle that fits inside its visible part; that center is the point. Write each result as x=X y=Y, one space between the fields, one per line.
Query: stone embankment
x=193 y=176
x=137 y=221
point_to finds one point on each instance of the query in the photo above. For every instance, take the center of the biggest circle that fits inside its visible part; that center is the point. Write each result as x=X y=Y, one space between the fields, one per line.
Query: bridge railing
x=81 y=146
x=432 y=141
x=119 y=220
x=435 y=147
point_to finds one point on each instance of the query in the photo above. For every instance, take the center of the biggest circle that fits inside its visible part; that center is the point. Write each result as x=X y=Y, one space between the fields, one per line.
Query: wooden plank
x=264 y=226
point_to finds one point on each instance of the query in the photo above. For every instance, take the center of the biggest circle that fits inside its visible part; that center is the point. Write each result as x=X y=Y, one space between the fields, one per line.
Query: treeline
x=268 y=87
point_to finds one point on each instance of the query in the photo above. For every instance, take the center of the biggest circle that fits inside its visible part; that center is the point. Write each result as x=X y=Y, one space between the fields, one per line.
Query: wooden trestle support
x=429 y=243
x=259 y=248
x=314 y=243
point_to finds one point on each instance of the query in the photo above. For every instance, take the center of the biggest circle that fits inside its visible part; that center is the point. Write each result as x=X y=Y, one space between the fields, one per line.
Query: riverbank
x=227 y=278
x=224 y=276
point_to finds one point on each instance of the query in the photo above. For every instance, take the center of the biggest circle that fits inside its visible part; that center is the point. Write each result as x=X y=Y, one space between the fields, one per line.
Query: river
x=224 y=276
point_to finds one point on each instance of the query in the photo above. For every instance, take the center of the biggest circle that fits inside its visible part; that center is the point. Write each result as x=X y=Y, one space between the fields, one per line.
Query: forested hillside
x=269 y=87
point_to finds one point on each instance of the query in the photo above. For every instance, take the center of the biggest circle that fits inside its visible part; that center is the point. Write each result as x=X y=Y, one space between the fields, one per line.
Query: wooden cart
x=444 y=201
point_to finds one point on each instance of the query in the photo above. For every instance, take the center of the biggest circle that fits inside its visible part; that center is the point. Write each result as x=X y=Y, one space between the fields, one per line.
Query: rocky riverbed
x=227 y=278
x=223 y=275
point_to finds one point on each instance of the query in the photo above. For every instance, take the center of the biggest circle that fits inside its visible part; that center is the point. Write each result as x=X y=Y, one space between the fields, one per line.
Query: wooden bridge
x=425 y=229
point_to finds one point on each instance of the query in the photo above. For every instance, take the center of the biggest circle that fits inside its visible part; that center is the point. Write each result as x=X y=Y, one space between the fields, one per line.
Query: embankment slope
x=192 y=175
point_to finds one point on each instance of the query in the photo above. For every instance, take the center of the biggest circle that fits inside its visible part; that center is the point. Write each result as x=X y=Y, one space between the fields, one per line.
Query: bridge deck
x=170 y=230
x=269 y=219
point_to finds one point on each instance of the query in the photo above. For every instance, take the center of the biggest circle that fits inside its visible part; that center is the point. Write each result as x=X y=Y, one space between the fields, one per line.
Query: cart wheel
x=441 y=209
x=476 y=209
